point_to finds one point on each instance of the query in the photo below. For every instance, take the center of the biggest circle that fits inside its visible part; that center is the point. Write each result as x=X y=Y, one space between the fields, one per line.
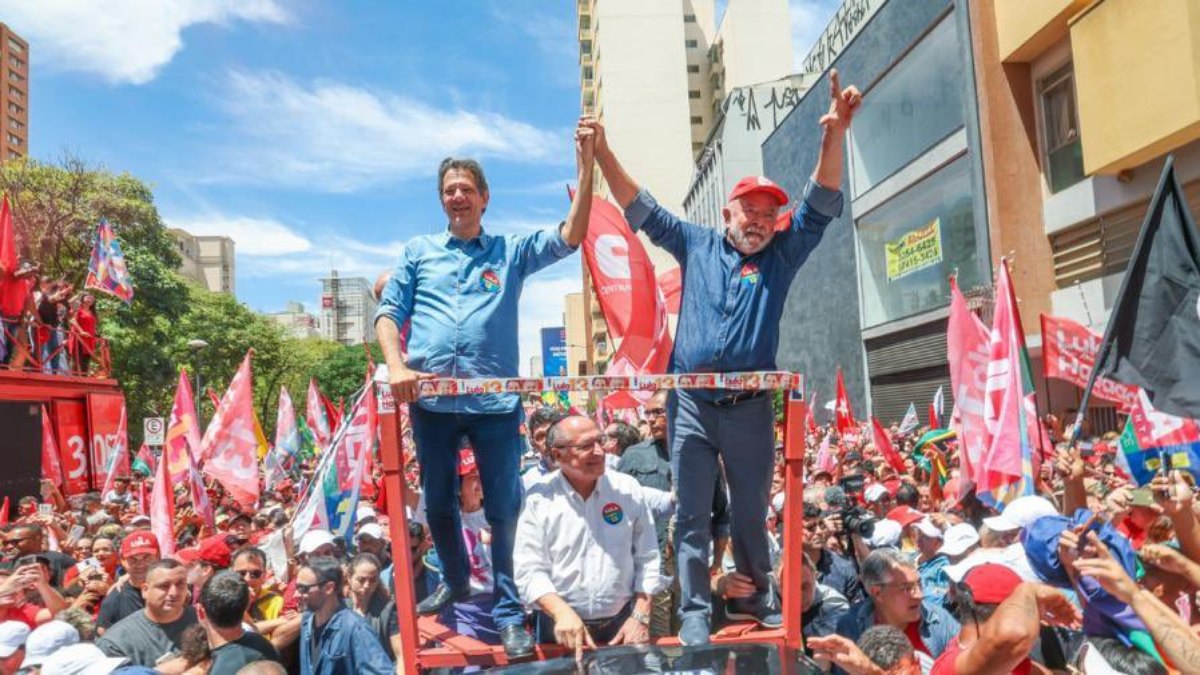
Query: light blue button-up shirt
x=461 y=297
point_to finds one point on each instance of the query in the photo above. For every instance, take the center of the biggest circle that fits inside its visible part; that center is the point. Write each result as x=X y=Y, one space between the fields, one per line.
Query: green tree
x=344 y=371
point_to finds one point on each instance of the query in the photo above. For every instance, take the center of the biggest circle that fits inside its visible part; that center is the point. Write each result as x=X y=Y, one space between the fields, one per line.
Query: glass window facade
x=914 y=241
x=921 y=101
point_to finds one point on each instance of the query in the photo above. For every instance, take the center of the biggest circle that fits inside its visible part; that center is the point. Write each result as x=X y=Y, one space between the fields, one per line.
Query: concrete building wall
x=347 y=309
x=207 y=260
x=14 y=95
x=753 y=43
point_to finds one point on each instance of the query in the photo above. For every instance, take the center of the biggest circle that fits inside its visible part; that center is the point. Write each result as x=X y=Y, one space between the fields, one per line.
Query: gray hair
x=556 y=432
x=461 y=164
x=885 y=645
x=877 y=567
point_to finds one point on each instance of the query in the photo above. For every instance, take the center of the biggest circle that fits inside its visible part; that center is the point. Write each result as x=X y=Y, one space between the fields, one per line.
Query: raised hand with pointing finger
x=843 y=103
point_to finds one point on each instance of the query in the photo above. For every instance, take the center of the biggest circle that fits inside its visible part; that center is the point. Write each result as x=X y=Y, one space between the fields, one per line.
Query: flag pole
x=1156 y=204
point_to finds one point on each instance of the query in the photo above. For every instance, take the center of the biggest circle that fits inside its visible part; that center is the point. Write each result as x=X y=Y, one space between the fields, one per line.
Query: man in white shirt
x=586 y=554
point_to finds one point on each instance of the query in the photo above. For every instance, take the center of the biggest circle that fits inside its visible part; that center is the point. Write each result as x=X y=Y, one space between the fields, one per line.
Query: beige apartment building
x=14 y=95
x=655 y=73
x=206 y=260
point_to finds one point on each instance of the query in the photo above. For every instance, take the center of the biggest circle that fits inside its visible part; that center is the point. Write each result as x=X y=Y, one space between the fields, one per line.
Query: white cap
x=958 y=539
x=83 y=658
x=1020 y=514
x=887 y=533
x=372 y=530
x=313 y=540
x=364 y=512
x=777 y=502
x=46 y=640
x=12 y=637
x=874 y=492
x=927 y=528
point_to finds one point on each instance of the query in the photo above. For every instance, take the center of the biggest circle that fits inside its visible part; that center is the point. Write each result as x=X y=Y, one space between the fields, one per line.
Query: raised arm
x=842 y=106
x=574 y=230
x=1009 y=636
x=623 y=188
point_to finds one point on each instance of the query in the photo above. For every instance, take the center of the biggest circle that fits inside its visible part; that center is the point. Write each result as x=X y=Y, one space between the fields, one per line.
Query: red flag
x=212 y=396
x=315 y=416
x=183 y=433
x=843 y=415
x=934 y=422
x=884 y=445
x=146 y=457
x=671 y=284
x=51 y=464
x=162 y=510
x=967 y=352
x=635 y=308
x=118 y=459
x=1069 y=353
x=1004 y=462
x=230 y=445
x=4 y=508
x=1157 y=429
x=333 y=414
x=8 y=241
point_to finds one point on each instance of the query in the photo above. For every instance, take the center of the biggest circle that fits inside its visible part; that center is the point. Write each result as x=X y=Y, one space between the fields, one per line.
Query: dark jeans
x=601 y=630
x=497 y=444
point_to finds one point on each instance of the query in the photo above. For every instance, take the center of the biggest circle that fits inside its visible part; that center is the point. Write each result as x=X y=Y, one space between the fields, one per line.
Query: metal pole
x=796 y=412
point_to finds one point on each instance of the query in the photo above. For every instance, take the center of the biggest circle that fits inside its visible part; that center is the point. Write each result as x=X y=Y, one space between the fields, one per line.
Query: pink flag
x=118 y=456
x=318 y=421
x=162 y=510
x=182 y=443
x=884 y=445
x=1003 y=462
x=825 y=460
x=51 y=464
x=230 y=446
x=968 y=352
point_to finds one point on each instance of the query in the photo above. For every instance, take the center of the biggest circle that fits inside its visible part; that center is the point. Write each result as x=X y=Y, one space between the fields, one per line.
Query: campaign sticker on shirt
x=750 y=274
x=490 y=281
x=612 y=513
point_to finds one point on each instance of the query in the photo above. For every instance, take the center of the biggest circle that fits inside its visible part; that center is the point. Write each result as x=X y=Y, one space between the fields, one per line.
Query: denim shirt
x=462 y=297
x=347 y=646
x=934 y=582
x=732 y=304
x=937 y=627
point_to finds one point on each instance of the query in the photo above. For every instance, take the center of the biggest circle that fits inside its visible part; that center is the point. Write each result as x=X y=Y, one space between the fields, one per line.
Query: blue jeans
x=497 y=443
x=743 y=435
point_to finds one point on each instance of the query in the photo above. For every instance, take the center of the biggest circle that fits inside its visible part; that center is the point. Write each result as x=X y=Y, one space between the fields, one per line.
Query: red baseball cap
x=905 y=515
x=213 y=550
x=991 y=584
x=138 y=543
x=751 y=184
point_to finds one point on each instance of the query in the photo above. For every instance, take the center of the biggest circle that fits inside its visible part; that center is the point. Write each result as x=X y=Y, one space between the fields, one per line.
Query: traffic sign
x=155 y=430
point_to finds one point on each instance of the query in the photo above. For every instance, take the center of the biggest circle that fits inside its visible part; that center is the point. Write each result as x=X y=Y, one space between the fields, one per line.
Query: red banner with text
x=71 y=432
x=1069 y=353
x=104 y=418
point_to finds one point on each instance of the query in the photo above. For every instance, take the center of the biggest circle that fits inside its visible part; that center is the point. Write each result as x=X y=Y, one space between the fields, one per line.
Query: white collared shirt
x=594 y=553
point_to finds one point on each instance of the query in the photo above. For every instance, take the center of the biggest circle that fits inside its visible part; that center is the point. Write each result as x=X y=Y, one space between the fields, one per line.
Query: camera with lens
x=857 y=520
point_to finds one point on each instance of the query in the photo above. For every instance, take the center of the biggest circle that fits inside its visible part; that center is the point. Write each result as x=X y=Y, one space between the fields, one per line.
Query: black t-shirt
x=119 y=604
x=59 y=564
x=144 y=642
x=231 y=656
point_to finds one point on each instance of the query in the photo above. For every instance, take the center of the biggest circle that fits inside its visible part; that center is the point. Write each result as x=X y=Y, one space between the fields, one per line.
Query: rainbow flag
x=106 y=270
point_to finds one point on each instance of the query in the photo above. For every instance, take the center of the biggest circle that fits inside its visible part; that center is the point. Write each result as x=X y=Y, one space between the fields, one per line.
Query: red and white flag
x=51 y=464
x=162 y=510
x=1069 y=353
x=316 y=417
x=844 y=421
x=1008 y=449
x=182 y=443
x=884 y=445
x=118 y=457
x=967 y=350
x=230 y=444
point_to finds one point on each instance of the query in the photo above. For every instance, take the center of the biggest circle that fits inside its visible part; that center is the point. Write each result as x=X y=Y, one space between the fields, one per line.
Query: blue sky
x=310 y=130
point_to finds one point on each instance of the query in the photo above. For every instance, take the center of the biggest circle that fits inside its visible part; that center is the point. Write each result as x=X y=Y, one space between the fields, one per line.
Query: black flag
x=1153 y=334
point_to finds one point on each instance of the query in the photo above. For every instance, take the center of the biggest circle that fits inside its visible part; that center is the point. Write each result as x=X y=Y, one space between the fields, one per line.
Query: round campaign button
x=612 y=513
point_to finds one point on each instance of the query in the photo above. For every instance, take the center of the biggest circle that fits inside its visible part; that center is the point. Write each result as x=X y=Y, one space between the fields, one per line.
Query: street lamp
x=198 y=346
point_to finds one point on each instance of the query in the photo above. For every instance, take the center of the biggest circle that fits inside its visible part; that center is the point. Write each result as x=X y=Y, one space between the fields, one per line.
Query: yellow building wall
x=1026 y=28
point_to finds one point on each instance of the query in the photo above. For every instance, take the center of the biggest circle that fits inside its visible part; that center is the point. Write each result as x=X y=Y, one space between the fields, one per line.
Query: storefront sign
x=914 y=251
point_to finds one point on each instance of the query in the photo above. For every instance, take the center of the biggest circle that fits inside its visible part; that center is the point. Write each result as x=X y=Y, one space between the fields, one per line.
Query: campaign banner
x=70 y=430
x=915 y=251
x=104 y=418
x=1069 y=353
x=554 y=352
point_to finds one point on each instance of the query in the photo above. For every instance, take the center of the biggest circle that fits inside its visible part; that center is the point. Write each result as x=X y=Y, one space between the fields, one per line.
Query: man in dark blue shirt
x=735 y=281
x=459 y=291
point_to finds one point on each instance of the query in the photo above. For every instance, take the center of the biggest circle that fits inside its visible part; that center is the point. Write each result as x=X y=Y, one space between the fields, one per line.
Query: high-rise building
x=347 y=309
x=207 y=259
x=14 y=95
x=296 y=322
x=650 y=72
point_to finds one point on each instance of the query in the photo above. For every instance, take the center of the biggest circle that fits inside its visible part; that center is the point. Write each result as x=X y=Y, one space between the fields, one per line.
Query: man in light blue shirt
x=459 y=290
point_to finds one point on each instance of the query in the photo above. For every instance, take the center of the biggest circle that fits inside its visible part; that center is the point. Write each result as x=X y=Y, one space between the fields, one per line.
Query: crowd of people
x=45 y=324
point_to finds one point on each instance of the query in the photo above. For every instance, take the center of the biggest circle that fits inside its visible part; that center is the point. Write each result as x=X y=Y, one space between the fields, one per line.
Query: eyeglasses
x=655 y=412
x=908 y=587
x=252 y=574
x=581 y=447
x=303 y=589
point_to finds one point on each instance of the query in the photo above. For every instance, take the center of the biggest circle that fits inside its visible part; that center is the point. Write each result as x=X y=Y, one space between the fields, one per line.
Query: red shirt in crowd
x=14 y=293
x=944 y=665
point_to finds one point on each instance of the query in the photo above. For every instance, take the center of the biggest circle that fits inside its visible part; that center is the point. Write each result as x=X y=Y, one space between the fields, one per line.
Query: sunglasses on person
x=250 y=574
x=303 y=589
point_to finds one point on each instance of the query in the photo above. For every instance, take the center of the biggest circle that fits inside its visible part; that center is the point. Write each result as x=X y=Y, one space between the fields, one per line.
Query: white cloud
x=123 y=41
x=542 y=306
x=809 y=20
x=251 y=236
x=333 y=136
